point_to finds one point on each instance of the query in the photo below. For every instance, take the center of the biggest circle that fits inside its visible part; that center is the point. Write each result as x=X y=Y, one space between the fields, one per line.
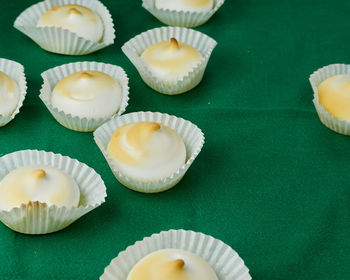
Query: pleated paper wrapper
x=226 y=263
x=181 y=18
x=333 y=123
x=60 y=40
x=15 y=71
x=192 y=136
x=39 y=218
x=52 y=76
x=137 y=45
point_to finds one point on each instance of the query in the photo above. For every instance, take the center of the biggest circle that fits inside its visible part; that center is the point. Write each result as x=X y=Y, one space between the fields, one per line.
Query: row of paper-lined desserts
x=82 y=26
x=169 y=66
x=59 y=191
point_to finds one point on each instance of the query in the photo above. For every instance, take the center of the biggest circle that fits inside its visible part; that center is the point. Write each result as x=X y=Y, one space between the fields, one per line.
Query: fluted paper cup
x=16 y=72
x=39 y=218
x=52 y=76
x=226 y=263
x=181 y=18
x=191 y=135
x=137 y=45
x=60 y=40
x=333 y=123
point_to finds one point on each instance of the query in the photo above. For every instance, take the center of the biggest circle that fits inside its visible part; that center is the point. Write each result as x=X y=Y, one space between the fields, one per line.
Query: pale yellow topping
x=7 y=82
x=171 y=57
x=76 y=86
x=158 y=267
x=198 y=3
x=37 y=183
x=334 y=95
x=71 y=9
x=74 y=11
x=137 y=136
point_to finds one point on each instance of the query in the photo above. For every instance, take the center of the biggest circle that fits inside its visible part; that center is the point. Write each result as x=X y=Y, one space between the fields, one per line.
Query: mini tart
x=170 y=60
x=192 y=14
x=331 y=96
x=146 y=151
x=142 y=50
x=78 y=19
x=172 y=264
x=42 y=183
x=13 y=89
x=223 y=260
x=89 y=94
x=57 y=38
x=70 y=82
x=37 y=217
x=191 y=135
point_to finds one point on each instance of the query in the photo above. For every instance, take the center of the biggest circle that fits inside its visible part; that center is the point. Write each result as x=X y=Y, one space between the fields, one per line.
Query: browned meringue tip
x=174 y=44
x=176 y=264
x=39 y=173
x=74 y=11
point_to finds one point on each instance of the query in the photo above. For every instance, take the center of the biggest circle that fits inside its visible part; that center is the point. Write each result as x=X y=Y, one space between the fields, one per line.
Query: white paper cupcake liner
x=15 y=71
x=38 y=218
x=181 y=18
x=137 y=45
x=333 y=123
x=190 y=133
x=226 y=263
x=59 y=40
x=52 y=76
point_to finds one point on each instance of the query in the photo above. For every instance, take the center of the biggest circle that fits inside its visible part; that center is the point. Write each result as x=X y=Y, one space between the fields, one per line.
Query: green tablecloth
x=271 y=180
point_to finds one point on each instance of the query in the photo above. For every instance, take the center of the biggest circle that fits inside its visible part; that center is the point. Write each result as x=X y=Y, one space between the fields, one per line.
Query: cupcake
x=177 y=254
x=171 y=60
x=73 y=28
x=149 y=152
x=331 y=86
x=83 y=95
x=13 y=89
x=182 y=12
x=42 y=192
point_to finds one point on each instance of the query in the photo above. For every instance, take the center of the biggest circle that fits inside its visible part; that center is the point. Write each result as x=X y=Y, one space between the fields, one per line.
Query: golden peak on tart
x=172 y=264
x=148 y=150
x=171 y=59
x=90 y=94
x=42 y=183
x=75 y=18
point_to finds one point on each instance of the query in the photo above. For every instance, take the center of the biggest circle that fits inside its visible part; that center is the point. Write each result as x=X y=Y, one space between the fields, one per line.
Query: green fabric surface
x=271 y=181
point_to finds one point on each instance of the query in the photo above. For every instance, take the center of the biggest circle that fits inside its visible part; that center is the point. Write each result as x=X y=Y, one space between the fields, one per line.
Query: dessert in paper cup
x=13 y=89
x=149 y=152
x=182 y=13
x=83 y=95
x=331 y=86
x=71 y=27
x=171 y=60
x=174 y=253
x=42 y=192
